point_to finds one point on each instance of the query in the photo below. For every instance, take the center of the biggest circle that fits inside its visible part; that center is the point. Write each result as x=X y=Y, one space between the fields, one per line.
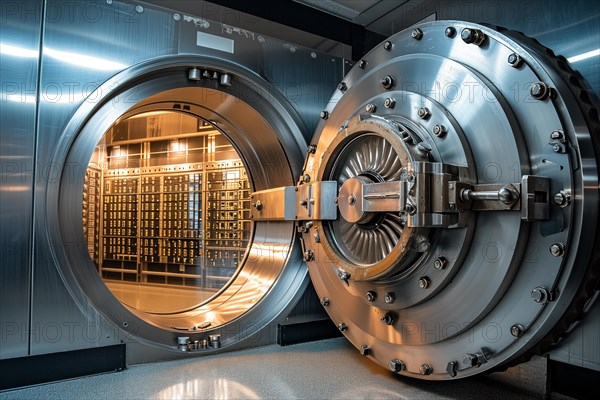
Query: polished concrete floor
x=328 y=369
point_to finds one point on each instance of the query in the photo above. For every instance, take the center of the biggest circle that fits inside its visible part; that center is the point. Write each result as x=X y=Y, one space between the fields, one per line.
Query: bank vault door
x=449 y=201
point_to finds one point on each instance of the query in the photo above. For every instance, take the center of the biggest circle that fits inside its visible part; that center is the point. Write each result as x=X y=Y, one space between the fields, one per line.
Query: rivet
x=440 y=263
x=344 y=276
x=324 y=114
x=557 y=249
x=450 y=32
x=389 y=297
x=309 y=255
x=342 y=327
x=425 y=369
x=557 y=135
x=387 y=45
x=325 y=301
x=362 y=64
x=365 y=350
x=397 y=365
x=517 y=330
x=370 y=296
x=370 y=108
x=387 y=82
x=388 y=319
x=342 y=86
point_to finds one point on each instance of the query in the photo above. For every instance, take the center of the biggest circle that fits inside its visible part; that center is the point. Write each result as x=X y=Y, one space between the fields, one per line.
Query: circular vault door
x=449 y=201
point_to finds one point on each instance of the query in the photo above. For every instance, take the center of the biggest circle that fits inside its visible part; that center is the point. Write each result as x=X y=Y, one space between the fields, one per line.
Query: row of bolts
x=184 y=343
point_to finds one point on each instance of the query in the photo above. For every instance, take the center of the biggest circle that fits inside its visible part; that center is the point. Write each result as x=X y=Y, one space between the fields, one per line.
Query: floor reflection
x=220 y=388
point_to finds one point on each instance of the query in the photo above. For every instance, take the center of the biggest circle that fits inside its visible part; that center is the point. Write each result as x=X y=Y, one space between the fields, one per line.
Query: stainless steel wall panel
x=85 y=44
x=19 y=55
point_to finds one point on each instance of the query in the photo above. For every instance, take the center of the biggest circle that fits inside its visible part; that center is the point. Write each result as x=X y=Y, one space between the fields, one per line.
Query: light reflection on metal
x=584 y=56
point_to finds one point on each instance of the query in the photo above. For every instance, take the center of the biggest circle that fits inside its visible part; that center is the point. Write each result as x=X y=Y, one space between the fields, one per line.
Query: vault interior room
x=186 y=178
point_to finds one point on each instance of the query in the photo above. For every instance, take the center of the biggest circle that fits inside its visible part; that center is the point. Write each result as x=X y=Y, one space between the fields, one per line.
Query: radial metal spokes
x=374 y=157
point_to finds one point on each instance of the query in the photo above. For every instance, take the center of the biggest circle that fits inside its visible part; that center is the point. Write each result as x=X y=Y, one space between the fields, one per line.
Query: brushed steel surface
x=99 y=61
x=506 y=135
x=19 y=49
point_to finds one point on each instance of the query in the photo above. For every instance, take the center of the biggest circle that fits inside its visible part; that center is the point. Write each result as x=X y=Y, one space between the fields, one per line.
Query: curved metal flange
x=266 y=134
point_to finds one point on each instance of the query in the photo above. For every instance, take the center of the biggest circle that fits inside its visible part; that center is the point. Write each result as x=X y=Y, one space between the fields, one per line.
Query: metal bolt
x=389 y=103
x=324 y=114
x=306 y=178
x=365 y=350
x=556 y=148
x=317 y=237
x=397 y=365
x=362 y=64
x=439 y=131
x=258 y=205
x=539 y=91
x=417 y=34
x=387 y=82
x=387 y=45
x=450 y=32
x=440 y=263
x=472 y=36
x=309 y=255
x=424 y=282
x=225 y=80
x=325 y=301
x=451 y=368
x=563 y=198
x=342 y=327
x=370 y=108
x=389 y=297
x=540 y=295
x=344 y=276
x=351 y=200
x=311 y=149
x=342 y=86
x=388 y=319
x=558 y=135
x=423 y=113
x=139 y=9
x=557 y=249
x=471 y=360
x=194 y=74
x=517 y=330
x=371 y=296
x=514 y=60
x=425 y=369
